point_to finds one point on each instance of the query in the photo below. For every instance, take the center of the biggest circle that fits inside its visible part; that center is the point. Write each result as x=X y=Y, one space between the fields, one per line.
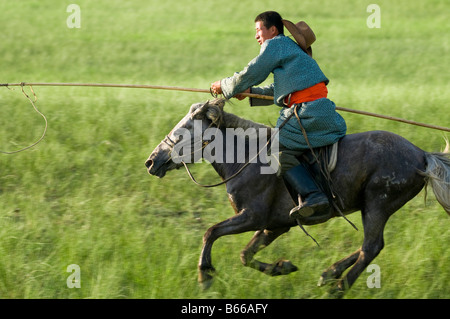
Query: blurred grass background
x=83 y=196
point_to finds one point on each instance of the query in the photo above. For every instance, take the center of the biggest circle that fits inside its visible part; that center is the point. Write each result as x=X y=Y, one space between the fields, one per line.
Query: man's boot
x=313 y=200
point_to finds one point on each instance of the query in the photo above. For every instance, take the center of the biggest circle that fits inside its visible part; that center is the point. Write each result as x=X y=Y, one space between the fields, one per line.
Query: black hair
x=271 y=18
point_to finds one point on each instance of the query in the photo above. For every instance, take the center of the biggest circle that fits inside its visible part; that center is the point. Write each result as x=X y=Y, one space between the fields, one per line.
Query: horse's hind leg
x=260 y=240
x=374 y=222
x=337 y=269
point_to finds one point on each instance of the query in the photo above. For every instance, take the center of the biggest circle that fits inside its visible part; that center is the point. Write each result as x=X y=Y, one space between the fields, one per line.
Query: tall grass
x=82 y=196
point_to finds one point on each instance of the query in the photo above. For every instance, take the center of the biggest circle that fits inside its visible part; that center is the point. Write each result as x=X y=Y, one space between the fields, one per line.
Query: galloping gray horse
x=376 y=173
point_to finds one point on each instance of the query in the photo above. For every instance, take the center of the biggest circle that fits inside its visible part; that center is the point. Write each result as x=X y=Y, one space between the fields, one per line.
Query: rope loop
x=22 y=84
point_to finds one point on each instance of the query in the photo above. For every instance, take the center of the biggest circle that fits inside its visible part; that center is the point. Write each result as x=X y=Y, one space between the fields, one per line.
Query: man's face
x=263 y=34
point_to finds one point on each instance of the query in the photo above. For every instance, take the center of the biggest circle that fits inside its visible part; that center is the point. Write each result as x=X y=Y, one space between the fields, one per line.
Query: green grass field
x=83 y=196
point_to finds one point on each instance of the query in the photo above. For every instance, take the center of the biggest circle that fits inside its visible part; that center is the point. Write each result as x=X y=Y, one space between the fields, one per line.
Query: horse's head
x=184 y=142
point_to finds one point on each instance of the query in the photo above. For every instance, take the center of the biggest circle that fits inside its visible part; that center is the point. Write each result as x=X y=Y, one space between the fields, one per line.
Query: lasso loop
x=37 y=111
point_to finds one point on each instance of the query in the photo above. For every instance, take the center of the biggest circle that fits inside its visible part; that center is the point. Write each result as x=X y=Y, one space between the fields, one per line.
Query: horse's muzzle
x=148 y=163
x=154 y=168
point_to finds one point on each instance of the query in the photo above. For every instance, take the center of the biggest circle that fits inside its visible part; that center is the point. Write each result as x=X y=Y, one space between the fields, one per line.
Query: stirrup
x=306 y=210
x=301 y=210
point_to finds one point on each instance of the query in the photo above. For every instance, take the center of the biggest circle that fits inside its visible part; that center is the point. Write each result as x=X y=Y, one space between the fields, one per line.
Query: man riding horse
x=299 y=87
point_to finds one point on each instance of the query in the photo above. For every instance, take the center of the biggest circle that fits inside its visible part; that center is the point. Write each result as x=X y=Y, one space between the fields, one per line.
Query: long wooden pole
x=252 y=95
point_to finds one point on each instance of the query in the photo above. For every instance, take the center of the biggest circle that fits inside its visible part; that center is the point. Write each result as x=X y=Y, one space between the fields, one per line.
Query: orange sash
x=312 y=93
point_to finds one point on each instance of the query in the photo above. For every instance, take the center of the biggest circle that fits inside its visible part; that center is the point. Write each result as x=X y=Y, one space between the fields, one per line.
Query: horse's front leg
x=260 y=240
x=239 y=223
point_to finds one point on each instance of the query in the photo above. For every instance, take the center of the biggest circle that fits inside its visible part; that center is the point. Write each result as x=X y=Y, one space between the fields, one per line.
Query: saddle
x=326 y=154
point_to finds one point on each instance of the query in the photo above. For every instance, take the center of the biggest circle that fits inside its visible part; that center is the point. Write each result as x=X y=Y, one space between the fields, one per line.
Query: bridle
x=204 y=144
x=172 y=144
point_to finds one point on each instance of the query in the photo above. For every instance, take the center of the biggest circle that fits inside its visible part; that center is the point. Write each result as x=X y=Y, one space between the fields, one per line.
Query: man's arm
x=253 y=74
x=265 y=90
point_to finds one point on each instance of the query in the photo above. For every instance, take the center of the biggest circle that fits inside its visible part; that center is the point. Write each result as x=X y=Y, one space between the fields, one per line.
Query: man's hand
x=240 y=96
x=215 y=88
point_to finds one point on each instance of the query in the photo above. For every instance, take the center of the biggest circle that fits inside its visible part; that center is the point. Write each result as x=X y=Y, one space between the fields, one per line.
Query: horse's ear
x=204 y=108
x=211 y=110
x=220 y=103
x=214 y=114
x=200 y=112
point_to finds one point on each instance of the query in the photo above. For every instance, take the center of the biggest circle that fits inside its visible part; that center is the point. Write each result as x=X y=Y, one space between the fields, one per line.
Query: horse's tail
x=438 y=175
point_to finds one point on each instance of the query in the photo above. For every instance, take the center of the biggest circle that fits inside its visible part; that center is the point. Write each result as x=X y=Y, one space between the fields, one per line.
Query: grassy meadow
x=83 y=196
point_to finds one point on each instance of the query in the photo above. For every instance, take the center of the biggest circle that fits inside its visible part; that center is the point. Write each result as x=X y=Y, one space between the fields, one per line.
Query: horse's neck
x=226 y=170
x=233 y=156
x=234 y=121
x=228 y=163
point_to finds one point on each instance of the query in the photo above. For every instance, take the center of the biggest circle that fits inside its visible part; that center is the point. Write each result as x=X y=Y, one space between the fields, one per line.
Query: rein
x=172 y=144
x=241 y=169
x=228 y=178
x=218 y=184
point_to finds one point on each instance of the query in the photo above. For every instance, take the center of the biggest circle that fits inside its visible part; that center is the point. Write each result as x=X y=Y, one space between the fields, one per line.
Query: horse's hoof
x=322 y=281
x=282 y=267
x=286 y=267
x=204 y=285
x=337 y=292
x=327 y=276
x=205 y=278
